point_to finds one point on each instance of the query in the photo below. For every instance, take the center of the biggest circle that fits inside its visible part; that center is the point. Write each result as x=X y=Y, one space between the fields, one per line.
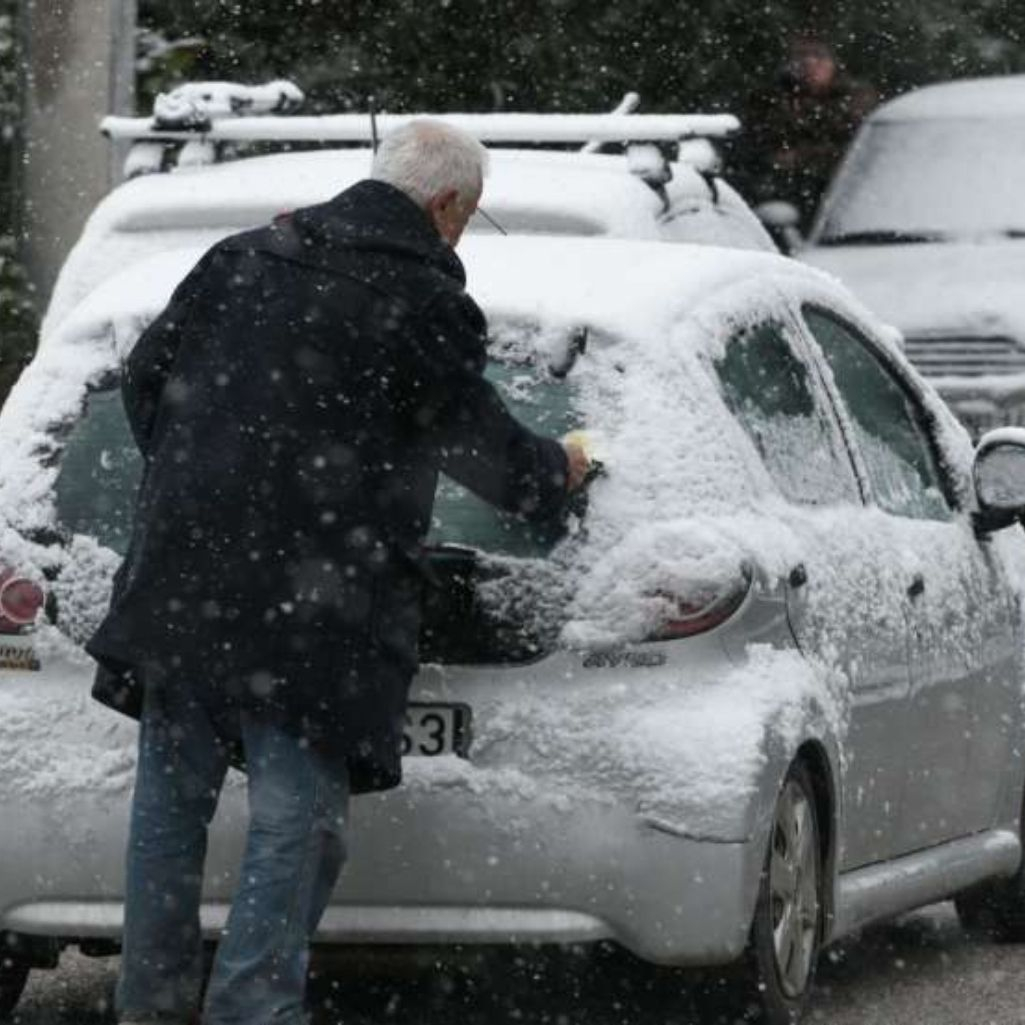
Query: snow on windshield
x=937 y=178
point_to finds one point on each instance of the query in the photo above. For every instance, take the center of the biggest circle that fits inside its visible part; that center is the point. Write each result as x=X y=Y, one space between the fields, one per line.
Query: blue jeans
x=298 y=804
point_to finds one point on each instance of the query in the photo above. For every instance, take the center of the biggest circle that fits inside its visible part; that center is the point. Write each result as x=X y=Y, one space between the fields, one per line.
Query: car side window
x=771 y=392
x=888 y=423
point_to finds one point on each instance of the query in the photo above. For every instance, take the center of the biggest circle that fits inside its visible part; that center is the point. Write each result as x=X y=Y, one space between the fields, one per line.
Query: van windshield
x=930 y=180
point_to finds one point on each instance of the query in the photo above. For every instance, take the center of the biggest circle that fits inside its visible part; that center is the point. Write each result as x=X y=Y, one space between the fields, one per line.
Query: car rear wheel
x=13 y=976
x=787 y=927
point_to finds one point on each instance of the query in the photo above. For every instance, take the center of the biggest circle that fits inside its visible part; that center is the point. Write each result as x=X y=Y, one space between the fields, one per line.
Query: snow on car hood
x=596 y=190
x=953 y=288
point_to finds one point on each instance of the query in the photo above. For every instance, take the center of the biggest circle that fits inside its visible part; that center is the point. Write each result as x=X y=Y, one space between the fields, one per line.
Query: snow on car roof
x=528 y=192
x=595 y=190
x=997 y=97
x=619 y=283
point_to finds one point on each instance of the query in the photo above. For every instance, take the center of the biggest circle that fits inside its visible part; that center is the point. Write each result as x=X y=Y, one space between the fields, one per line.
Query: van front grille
x=938 y=356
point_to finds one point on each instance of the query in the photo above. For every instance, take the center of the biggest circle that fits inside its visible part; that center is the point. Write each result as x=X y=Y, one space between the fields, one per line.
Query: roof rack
x=493 y=128
x=198 y=121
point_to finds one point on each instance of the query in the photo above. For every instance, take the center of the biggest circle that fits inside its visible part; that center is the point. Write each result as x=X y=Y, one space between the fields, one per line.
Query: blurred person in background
x=795 y=133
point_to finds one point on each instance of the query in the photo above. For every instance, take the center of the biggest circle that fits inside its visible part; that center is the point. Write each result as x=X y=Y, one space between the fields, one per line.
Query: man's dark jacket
x=294 y=404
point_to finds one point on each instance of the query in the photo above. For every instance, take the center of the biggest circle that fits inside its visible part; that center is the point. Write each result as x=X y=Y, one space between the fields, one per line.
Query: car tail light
x=20 y=601
x=706 y=608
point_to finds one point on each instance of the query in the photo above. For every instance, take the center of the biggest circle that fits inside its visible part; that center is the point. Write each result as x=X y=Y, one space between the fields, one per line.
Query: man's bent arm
x=483 y=446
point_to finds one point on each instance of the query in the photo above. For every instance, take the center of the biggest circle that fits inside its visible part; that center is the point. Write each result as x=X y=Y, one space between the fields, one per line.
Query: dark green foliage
x=18 y=323
x=572 y=54
x=550 y=55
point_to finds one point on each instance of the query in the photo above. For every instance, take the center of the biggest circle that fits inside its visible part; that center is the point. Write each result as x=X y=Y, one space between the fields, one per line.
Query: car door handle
x=917 y=586
x=798 y=576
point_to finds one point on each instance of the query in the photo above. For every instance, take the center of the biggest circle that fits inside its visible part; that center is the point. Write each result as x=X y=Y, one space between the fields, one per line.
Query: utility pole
x=80 y=66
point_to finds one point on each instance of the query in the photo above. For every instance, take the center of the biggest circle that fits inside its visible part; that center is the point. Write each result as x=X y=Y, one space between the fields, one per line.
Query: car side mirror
x=999 y=476
x=783 y=223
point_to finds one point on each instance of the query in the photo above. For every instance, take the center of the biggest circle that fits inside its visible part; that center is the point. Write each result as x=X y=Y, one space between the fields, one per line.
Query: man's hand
x=579 y=462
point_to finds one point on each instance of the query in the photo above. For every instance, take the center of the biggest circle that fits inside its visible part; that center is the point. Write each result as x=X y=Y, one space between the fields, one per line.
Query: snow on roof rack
x=199 y=120
x=493 y=128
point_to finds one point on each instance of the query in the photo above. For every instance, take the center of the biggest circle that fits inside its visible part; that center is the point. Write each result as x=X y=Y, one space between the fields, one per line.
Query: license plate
x=433 y=730
x=17 y=656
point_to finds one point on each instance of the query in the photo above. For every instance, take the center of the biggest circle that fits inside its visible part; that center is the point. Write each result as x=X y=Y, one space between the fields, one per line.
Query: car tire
x=996 y=908
x=13 y=976
x=786 y=932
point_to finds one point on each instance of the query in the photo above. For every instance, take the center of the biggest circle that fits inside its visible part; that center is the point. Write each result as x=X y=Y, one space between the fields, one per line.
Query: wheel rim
x=794 y=888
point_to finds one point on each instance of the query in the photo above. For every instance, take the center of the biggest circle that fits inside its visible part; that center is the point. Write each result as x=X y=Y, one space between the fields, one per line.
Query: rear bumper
x=565 y=826
x=436 y=868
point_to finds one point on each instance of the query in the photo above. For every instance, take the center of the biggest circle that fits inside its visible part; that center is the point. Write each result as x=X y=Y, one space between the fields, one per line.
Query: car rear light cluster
x=703 y=610
x=20 y=601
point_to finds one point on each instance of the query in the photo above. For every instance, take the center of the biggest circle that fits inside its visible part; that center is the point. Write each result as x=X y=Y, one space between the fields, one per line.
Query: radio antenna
x=374 y=139
x=491 y=220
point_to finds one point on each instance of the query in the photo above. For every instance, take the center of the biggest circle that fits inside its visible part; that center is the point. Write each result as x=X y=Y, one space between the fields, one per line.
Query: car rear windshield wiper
x=880 y=238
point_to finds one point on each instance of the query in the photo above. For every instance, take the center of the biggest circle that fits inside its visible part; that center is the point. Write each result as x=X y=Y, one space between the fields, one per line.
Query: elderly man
x=295 y=403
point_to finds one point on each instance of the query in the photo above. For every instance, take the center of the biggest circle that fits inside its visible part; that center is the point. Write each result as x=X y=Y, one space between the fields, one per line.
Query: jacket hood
x=373 y=216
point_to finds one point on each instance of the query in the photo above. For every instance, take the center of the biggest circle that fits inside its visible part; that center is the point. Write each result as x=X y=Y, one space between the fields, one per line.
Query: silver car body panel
x=356 y=924
x=446 y=858
x=522 y=842
x=880 y=891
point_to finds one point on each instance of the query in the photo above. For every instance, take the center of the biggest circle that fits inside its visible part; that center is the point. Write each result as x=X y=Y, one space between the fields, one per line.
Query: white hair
x=424 y=158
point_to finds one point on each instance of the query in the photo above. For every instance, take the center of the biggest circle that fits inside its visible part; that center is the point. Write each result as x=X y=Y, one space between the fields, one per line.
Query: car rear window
x=531 y=371
x=99 y=473
x=101 y=467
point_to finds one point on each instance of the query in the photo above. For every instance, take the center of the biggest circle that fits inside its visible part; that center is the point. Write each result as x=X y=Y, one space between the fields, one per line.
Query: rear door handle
x=917 y=586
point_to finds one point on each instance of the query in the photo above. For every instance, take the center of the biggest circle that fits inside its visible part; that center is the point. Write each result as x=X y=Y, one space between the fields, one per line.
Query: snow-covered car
x=925 y=221
x=527 y=192
x=670 y=191
x=731 y=711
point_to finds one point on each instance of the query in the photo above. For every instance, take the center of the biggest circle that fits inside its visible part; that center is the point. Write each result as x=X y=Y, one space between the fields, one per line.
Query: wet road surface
x=921 y=970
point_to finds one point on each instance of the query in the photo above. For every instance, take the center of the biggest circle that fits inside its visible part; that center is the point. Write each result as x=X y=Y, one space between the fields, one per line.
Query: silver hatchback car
x=765 y=688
